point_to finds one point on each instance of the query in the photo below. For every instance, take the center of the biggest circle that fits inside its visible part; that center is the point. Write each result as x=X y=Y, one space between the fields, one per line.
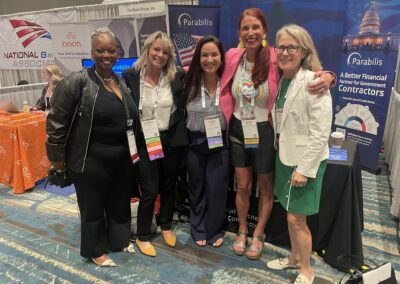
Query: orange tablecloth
x=23 y=158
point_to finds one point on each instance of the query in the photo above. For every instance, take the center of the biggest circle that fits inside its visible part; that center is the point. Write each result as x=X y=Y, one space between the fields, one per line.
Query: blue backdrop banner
x=322 y=18
x=187 y=25
x=357 y=39
x=367 y=68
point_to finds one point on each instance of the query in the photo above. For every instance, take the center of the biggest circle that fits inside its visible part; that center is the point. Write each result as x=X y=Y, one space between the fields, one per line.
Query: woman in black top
x=52 y=75
x=92 y=116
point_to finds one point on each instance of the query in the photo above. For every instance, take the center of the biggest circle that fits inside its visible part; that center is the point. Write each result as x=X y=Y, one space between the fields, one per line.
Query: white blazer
x=305 y=126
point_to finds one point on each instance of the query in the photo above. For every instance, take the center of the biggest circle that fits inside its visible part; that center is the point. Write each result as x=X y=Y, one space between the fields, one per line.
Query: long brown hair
x=195 y=73
x=259 y=74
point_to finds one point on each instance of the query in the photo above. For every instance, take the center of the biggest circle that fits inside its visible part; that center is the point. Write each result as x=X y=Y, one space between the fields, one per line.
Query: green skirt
x=298 y=200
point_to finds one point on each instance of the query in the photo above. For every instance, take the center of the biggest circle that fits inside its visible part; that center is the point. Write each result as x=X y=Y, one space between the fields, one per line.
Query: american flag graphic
x=186 y=44
x=29 y=30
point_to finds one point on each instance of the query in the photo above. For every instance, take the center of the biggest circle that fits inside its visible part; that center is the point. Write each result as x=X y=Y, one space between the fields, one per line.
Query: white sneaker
x=301 y=279
x=281 y=264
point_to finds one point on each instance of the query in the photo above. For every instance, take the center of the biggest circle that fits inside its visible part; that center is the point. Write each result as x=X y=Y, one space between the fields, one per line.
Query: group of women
x=237 y=109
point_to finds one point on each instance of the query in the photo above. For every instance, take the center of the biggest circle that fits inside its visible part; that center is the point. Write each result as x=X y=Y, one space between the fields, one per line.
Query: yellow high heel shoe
x=169 y=238
x=149 y=250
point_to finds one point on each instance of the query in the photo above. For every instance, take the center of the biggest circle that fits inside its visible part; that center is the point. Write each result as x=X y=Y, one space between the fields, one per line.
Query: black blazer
x=177 y=133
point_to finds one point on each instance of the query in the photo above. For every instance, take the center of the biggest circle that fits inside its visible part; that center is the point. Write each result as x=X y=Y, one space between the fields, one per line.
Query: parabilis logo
x=29 y=31
x=186 y=20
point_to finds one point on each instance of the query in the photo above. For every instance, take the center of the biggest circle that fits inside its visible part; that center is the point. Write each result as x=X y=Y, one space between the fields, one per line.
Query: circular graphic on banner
x=357 y=117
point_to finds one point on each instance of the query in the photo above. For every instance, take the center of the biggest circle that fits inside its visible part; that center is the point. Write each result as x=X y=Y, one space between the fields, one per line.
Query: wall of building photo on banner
x=367 y=68
x=71 y=43
x=144 y=26
x=188 y=24
x=25 y=41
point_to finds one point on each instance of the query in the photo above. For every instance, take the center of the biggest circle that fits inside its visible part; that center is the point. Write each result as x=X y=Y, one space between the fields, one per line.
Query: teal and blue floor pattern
x=66 y=191
x=40 y=236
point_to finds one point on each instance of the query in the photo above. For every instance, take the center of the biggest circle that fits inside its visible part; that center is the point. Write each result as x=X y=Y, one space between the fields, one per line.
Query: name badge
x=278 y=119
x=213 y=131
x=152 y=139
x=250 y=132
x=132 y=146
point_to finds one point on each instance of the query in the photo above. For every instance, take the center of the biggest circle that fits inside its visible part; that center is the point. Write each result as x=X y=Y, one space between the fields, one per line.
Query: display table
x=336 y=230
x=23 y=158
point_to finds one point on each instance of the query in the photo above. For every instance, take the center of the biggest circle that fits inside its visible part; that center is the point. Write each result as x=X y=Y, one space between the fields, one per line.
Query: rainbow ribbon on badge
x=154 y=148
x=215 y=142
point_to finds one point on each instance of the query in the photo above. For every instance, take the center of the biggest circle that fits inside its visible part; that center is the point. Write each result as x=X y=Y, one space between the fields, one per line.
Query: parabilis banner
x=367 y=68
x=25 y=41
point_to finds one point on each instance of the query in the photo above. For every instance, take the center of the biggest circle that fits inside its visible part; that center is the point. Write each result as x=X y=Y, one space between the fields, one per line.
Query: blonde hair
x=101 y=32
x=170 y=67
x=55 y=73
x=301 y=35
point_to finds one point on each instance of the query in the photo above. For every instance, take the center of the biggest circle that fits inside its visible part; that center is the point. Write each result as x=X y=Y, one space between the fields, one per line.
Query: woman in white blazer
x=302 y=125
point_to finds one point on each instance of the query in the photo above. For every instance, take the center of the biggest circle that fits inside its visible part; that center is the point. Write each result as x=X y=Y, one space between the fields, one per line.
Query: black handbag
x=59 y=177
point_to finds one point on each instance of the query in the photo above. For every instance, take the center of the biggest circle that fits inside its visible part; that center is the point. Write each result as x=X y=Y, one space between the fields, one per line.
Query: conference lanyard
x=252 y=92
x=203 y=96
x=248 y=121
x=149 y=124
x=157 y=92
x=212 y=123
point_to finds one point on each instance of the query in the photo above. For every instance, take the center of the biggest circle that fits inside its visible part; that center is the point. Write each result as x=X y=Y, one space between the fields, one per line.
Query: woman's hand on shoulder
x=321 y=83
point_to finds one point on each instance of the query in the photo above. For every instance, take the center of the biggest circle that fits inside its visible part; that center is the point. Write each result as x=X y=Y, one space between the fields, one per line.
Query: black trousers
x=157 y=177
x=103 y=193
x=208 y=191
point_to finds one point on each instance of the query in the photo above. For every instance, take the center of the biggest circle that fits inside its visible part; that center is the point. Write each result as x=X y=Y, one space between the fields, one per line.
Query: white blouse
x=164 y=104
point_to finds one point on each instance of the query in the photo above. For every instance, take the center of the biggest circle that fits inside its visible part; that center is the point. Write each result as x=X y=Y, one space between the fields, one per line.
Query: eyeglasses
x=291 y=49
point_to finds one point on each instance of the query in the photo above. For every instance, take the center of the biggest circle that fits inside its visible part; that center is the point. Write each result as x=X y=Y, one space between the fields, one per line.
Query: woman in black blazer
x=157 y=88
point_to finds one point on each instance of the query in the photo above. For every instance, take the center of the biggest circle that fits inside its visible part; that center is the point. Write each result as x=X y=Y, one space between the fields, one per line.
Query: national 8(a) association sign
x=25 y=41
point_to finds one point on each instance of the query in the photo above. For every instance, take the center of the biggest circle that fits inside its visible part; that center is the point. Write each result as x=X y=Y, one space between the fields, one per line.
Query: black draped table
x=336 y=230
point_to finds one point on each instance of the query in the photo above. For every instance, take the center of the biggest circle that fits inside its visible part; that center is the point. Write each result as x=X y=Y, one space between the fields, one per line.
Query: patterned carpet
x=39 y=243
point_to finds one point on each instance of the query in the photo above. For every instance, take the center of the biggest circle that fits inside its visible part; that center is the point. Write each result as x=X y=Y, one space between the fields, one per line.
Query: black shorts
x=262 y=159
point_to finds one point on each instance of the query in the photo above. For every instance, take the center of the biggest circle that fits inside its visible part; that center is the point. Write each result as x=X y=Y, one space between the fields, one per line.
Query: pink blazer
x=232 y=60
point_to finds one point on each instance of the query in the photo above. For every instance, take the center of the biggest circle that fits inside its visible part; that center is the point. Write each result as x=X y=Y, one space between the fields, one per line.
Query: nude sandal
x=239 y=247
x=257 y=249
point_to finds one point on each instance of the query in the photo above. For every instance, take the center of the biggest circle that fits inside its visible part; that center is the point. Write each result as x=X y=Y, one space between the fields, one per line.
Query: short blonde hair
x=55 y=73
x=301 y=35
x=170 y=67
x=101 y=32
